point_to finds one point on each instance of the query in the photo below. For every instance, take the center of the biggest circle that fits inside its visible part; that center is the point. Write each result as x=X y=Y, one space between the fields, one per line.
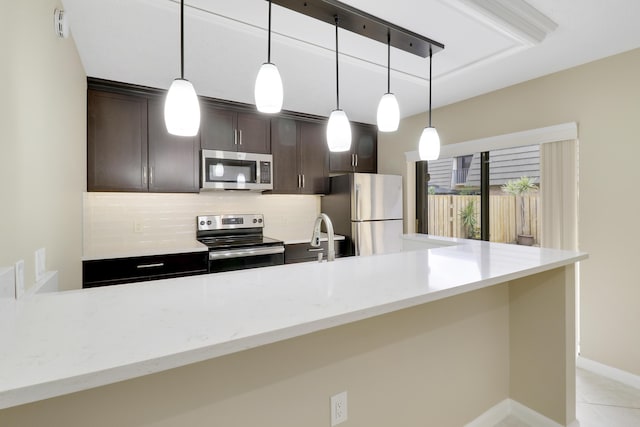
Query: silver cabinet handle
x=235 y=137
x=157 y=264
x=238 y=253
x=240 y=133
x=356 y=157
x=144 y=175
x=150 y=175
x=302 y=180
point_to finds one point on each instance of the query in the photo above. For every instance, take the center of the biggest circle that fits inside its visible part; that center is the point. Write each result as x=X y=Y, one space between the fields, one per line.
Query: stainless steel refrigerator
x=367 y=209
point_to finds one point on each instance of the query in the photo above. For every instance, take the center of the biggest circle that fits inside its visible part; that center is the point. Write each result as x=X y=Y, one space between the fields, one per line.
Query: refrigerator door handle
x=357 y=202
x=357 y=239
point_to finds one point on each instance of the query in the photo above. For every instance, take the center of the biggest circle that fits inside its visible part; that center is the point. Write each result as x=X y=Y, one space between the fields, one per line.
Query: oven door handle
x=238 y=253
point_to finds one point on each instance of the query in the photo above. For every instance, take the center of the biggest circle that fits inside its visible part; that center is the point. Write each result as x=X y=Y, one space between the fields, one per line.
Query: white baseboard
x=493 y=415
x=509 y=407
x=610 y=372
x=533 y=418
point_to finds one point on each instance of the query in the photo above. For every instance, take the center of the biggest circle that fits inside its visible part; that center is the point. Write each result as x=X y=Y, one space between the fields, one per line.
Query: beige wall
x=42 y=149
x=440 y=364
x=603 y=97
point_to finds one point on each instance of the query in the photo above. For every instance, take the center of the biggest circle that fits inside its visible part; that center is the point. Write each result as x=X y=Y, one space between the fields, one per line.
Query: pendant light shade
x=338 y=128
x=181 y=107
x=388 y=109
x=268 y=90
x=388 y=113
x=429 y=145
x=338 y=131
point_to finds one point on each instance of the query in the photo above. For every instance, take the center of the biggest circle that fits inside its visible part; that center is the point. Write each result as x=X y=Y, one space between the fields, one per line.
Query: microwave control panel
x=265 y=172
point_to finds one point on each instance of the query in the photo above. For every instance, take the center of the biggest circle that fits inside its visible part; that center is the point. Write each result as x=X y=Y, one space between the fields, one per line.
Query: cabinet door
x=217 y=129
x=116 y=142
x=284 y=145
x=253 y=133
x=365 y=147
x=343 y=161
x=313 y=157
x=173 y=160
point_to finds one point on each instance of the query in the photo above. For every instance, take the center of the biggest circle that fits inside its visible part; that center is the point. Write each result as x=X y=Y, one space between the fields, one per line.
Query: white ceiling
x=137 y=41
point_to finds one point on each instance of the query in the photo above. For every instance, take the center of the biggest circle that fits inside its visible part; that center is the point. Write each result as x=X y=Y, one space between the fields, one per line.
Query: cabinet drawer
x=299 y=252
x=124 y=270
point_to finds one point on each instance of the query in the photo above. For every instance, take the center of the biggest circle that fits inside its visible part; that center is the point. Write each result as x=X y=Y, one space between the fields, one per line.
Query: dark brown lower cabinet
x=105 y=272
x=303 y=252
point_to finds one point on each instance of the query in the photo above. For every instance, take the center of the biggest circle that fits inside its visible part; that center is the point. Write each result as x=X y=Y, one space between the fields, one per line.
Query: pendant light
x=388 y=110
x=429 y=146
x=181 y=108
x=268 y=91
x=338 y=128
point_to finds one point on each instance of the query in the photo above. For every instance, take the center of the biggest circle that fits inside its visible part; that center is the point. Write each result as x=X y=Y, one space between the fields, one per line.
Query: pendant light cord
x=430 y=78
x=269 y=36
x=337 y=74
x=182 y=39
x=388 y=62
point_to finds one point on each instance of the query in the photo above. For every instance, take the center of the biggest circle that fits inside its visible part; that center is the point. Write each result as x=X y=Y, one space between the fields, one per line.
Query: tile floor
x=600 y=402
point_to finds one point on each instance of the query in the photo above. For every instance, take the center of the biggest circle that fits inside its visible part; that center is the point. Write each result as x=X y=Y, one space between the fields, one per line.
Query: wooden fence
x=504 y=216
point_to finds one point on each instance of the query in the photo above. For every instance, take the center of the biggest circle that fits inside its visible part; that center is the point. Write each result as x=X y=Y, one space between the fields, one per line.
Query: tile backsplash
x=130 y=219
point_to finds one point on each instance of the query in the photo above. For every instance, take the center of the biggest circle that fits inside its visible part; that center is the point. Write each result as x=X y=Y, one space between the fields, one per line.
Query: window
x=449 y=202
x=514 y=192
x=492 y=195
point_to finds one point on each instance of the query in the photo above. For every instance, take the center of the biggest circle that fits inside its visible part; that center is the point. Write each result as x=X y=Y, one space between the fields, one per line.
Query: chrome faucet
x=315 y=237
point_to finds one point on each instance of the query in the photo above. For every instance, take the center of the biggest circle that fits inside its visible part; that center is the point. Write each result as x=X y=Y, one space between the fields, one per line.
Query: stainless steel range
x=236 y=242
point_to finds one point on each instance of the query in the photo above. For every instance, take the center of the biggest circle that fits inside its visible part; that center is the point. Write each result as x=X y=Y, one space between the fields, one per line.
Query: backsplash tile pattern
x=113 y=220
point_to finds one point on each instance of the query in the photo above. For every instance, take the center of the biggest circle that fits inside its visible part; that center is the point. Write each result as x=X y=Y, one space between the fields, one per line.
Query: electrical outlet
x=19 y=269
x=338 y=408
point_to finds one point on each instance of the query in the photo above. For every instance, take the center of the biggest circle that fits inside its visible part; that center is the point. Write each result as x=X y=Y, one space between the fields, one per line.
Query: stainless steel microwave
x=229 y=170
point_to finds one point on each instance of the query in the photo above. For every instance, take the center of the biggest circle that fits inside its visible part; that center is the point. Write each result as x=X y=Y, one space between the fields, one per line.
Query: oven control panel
x=229 y=222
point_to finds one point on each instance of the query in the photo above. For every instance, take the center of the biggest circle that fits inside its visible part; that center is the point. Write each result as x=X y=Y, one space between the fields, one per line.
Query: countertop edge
x=88 y=380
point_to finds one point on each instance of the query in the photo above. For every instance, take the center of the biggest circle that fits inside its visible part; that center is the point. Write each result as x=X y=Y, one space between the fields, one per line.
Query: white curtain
x=559 y=194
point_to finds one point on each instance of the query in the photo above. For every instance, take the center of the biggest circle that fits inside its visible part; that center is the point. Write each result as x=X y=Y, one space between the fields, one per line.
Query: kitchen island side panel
x=442 y=363
x=542 y=343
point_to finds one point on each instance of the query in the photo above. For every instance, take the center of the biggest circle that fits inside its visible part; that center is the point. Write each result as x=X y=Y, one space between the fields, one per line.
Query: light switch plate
x=40 y=263
x=339 y=408
x=19 y=269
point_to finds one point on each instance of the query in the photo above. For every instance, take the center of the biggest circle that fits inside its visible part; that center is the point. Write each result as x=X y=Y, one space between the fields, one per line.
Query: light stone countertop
x=59 y=343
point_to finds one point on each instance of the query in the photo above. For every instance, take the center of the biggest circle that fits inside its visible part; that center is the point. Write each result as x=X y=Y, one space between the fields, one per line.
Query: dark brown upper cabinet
x=116 y=142
x=174 y=161
x=300 y=157
x=129 y=148
x=228 y=130
x=363 y=156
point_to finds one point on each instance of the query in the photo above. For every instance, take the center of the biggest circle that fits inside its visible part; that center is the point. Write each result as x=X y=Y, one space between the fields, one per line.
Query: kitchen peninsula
x=440 y=334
